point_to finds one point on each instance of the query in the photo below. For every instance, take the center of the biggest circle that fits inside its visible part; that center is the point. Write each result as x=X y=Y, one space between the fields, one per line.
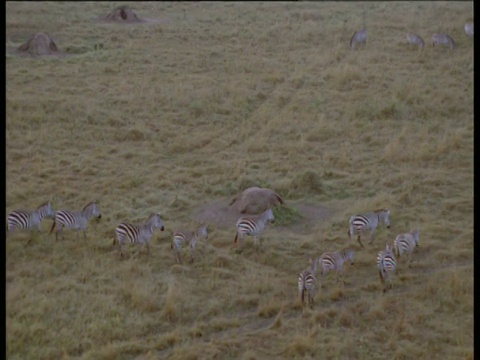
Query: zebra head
x=384 y=215
x=349 y=254
x=313 y=262
x=268 y=216
x=92 y=210
x=156 y=221
x=203 y=231
x=47 y=210
x=416 y=235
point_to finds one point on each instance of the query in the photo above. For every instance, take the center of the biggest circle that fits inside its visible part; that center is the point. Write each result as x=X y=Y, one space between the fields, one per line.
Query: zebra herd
x=359 y=37
x=404 y=244
x=250 y=225
x=78 y=220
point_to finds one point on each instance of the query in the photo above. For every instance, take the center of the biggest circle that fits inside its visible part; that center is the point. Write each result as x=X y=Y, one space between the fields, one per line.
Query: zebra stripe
x=406 y=244
x=75 y=220
x=29 y=219
x=253 y=225
x=368 y=221
x=386 y=265
x=333 y=261
x=307 y=282
x=181 y=237
x=138 y=234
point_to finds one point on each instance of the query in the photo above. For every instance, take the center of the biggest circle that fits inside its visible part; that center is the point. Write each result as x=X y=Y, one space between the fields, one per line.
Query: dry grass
x=202 y=101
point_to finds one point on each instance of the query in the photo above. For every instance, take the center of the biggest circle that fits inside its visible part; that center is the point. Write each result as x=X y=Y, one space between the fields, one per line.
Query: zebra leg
x=371 y=236
x=359 y=241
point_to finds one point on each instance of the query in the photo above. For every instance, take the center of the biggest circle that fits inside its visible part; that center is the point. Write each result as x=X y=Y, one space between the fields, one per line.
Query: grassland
x=189 y=109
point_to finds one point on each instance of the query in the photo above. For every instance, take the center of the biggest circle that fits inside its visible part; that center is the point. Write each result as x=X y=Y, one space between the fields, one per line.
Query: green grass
x=191 y=108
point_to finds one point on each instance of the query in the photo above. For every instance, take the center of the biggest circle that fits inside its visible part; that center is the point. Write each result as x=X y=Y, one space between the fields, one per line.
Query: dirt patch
x=39 y=44
x=223 y=215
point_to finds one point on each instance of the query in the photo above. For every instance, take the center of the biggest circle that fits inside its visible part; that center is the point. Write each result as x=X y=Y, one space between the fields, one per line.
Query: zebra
x=359 y=37
x=189 y=237
x=368 y=221
x=469 y=29
x=137 y=234
x=386 y=264
x=253 y=225
x=406 y=244
x=29 y=219
x=75 y=220
x=307 y=282
x=443 y=39
x=415 y=39
x=330 y=261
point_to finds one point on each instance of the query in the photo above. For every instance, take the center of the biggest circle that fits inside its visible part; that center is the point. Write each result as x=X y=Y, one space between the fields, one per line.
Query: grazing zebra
x=359 y=37
x=29 y=219
x=406 y=244
x=75 y=220
x=138 y=234
x=368 y=221
x=415 y=39
x=181 y=237
x=386 y=264
x=469 y=29
x=307 y=282
x=330 y=261
x=253 y=225
x=443 y=39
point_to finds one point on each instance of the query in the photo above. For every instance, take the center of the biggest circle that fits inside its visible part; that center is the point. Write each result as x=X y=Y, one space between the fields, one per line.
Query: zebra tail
x=382 y=278
x=53 y=226
x=236 y=238
x=302 y=296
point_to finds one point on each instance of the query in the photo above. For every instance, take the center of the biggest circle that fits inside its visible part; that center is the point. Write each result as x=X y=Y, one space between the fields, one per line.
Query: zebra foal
x=137 y=234
x=29 y=219
x=181 y=237
x=75 y=220
x=386 y=265
x=253 y=225
x=307 y=282
x=368 y=221
x=406 y=244
x=333 y=261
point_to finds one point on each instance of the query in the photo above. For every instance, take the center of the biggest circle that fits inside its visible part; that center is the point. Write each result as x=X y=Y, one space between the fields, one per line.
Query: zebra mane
x=90 y=203
x=43 y=204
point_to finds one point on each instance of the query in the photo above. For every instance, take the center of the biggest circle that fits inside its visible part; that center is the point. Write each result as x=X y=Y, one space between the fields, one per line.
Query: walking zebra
x=443 y=39
x=307 y=282
x=138 y=234
x=253 y=225
x=406 y=244
x=415 y=39
x=181 y=237
x=368 y=221
x=75 y=220
x=331 y=261
x=386 y=264
x=29 y=219
x=359 y=37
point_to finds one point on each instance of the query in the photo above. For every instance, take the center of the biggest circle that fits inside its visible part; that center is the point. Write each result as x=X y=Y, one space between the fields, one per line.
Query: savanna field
x=177 y=115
